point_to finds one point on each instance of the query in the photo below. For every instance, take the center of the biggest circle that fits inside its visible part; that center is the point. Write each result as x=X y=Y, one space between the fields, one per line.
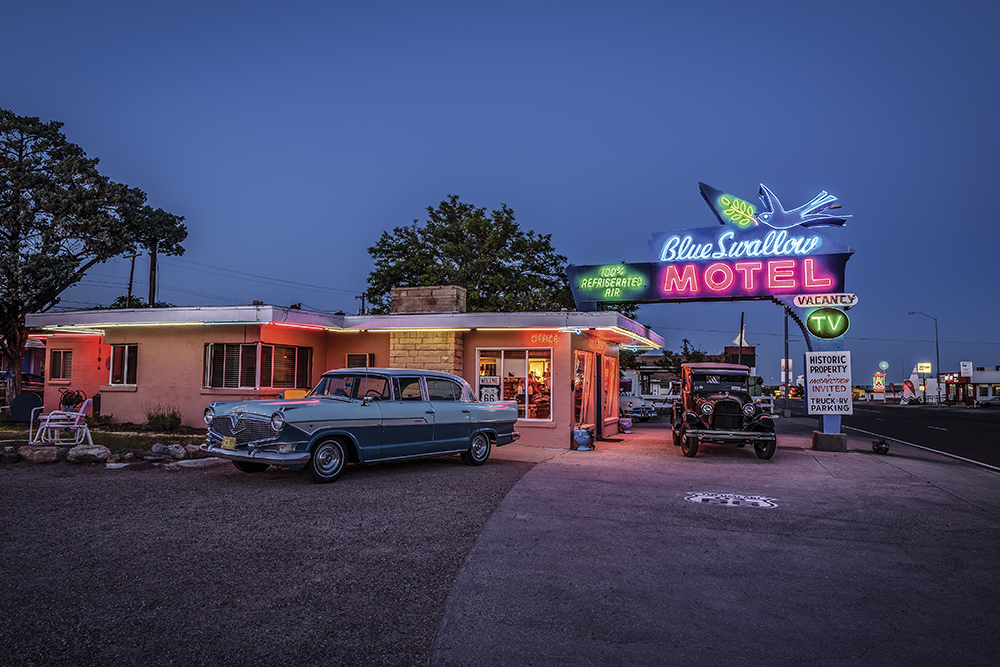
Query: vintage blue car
x=360 y=416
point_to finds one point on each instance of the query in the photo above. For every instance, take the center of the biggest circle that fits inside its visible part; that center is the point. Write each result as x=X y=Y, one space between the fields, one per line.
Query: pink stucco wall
x=171 y=368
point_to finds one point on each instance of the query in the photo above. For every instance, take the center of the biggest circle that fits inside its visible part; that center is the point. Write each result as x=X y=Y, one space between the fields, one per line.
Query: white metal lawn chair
x=63 y=427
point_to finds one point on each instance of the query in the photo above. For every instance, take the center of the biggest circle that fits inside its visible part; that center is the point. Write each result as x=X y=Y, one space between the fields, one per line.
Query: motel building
x=560 y=367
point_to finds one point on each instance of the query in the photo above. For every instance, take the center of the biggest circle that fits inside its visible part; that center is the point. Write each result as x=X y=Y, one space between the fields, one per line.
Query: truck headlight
x=707 y=408
x=209 y=415
x=749 y=409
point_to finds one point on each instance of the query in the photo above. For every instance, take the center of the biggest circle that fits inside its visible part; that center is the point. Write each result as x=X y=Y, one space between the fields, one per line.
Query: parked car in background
x=635 y=407
x=29 y=381
x=716 y=407
x=361 y=416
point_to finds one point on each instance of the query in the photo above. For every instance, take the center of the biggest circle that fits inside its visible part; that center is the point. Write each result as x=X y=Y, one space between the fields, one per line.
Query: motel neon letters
x=748 y=260
x=749 y=278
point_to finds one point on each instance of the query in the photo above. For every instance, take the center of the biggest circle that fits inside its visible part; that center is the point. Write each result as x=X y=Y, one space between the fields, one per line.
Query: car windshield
x=718 y=382
x=353 y=386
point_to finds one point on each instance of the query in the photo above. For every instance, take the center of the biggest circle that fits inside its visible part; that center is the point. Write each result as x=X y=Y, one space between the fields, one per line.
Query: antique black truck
x=716 y=407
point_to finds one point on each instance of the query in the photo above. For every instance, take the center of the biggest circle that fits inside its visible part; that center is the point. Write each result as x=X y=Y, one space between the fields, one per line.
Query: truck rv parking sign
x=828 y=383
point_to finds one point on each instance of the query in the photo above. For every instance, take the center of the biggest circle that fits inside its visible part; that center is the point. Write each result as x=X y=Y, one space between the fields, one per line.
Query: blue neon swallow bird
x=811 y=214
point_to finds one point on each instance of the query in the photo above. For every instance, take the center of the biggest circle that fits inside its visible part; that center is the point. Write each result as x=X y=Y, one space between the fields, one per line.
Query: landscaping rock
x=9 y=455
x=41 y=453
x=88 y=454
x=160 y=448
x=177 y=452
x=137 y=455
x=195 y=452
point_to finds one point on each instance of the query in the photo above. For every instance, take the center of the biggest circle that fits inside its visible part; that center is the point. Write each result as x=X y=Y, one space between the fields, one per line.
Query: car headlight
x=277 y=421
x=749 y=409
x=707 y=408
x=209 y=415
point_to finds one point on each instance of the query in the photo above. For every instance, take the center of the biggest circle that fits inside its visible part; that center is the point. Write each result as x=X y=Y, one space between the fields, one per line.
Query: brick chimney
x=435 y=299
x=430 y=350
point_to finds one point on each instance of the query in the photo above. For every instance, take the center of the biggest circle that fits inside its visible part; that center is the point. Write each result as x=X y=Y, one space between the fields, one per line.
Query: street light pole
x=937 y=353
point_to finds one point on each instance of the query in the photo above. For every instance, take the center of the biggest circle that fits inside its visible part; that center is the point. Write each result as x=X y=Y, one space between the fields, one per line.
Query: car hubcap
x=328 y=459
x=479 y=447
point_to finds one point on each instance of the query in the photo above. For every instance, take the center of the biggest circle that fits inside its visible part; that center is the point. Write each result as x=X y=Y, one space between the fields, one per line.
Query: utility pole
x=362 y=297
x=152 y=274
x=739 y=355
x=131 y=274
x=786 y=371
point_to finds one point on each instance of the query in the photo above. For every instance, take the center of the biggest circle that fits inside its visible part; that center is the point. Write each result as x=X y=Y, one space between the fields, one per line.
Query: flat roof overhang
x=606 y=325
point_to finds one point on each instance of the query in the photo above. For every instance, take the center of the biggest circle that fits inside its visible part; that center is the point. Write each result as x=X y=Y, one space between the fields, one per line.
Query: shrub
x=162 y=418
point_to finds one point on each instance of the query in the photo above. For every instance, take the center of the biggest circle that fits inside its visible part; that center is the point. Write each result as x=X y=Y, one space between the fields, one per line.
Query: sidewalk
x=602 y=558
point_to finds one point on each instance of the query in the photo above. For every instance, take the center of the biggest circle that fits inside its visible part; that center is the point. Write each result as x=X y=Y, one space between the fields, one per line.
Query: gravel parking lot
x=213 y=566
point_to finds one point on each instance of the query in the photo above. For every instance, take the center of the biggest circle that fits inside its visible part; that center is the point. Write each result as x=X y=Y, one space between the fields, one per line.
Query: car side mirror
x=367 y=400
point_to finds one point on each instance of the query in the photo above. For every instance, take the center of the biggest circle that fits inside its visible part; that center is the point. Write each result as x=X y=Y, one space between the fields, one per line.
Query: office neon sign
x=757 y=253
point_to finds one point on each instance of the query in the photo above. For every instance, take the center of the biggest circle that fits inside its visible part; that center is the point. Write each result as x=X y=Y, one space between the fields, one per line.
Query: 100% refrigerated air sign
x=828 y=383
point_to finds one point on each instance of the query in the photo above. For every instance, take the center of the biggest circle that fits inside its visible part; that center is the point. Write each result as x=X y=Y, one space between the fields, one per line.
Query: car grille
x=248 y=429
x=728 y=416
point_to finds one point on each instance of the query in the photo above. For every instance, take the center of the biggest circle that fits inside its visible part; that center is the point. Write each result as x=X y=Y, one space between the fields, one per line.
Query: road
x=971 y=433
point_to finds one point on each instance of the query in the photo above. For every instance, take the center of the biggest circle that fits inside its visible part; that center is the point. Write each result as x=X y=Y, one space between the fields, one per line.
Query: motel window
x=236 y=365
x=996 y=390
x=232 y=365
x=61 y=365
x=524 y=376
x=360 y=360
x=984 y=390
x=124 y=360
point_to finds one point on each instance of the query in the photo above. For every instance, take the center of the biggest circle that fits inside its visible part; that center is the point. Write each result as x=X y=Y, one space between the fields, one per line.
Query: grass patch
x=117 y=442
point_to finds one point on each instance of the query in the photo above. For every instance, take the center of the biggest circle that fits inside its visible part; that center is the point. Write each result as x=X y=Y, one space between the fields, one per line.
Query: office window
x=524 y=376
x=124 y=361
x=61 y=365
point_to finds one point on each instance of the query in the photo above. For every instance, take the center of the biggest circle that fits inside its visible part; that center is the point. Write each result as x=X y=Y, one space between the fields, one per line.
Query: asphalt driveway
x=627 y=555
x=217 y=567
x=634 y=555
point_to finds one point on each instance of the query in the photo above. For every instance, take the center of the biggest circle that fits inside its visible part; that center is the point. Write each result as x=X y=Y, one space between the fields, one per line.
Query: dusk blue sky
x=290 y=135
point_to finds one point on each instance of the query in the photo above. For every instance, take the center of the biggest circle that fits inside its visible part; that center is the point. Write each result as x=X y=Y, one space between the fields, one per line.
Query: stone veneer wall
x=435 y=299
x=430 y=350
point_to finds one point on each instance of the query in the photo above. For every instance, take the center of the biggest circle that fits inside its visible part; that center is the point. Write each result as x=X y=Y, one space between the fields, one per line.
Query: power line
x=218 y=271
x=864 y=338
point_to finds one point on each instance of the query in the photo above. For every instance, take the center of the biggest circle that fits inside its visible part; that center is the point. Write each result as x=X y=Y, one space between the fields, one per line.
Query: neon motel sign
x=757 y=253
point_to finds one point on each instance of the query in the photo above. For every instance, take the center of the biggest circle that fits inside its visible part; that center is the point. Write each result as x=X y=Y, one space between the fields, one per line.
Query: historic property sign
x=828 y=383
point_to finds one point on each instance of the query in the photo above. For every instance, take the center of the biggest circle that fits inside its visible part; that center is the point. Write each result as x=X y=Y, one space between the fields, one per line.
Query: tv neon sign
x=759 y=253
x=827 y=323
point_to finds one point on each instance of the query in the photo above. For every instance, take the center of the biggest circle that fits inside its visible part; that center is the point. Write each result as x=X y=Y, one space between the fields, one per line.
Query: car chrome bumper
x=507 y=438
x=293 y=460
x=732 y=436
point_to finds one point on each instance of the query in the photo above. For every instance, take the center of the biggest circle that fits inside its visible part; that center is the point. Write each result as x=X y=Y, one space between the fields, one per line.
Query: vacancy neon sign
x=757 y=253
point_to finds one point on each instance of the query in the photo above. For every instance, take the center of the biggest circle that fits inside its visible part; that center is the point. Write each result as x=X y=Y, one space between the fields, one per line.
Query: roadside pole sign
x=828 y=383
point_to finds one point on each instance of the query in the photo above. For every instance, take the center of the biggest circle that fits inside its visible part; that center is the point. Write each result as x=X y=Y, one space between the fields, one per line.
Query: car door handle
x=466 y=410
x=430 y=412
